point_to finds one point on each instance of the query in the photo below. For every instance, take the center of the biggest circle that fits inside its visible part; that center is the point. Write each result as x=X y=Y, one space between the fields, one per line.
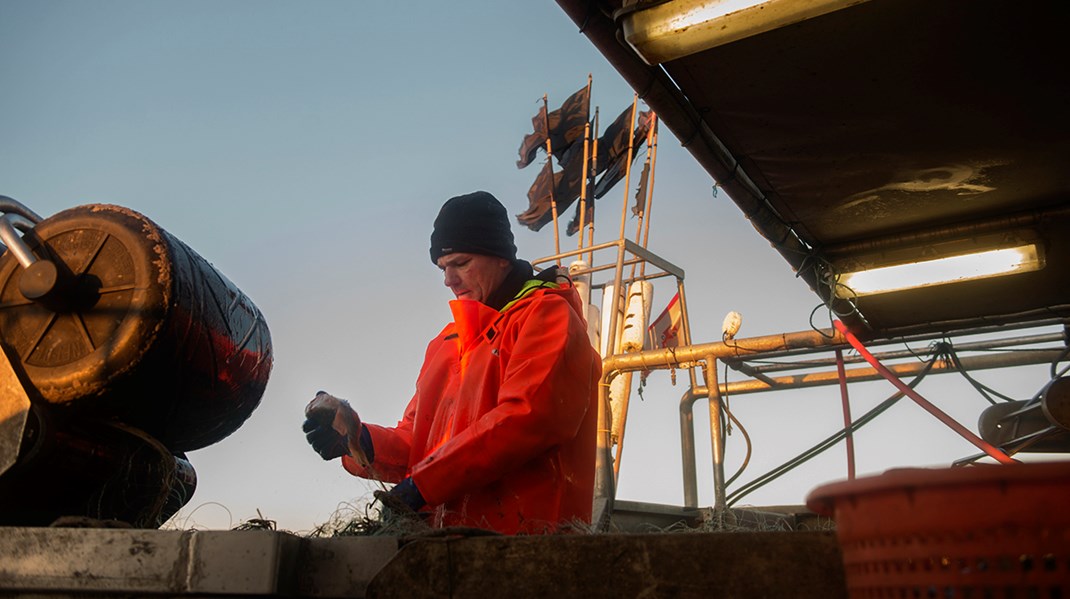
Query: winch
x=131 y=349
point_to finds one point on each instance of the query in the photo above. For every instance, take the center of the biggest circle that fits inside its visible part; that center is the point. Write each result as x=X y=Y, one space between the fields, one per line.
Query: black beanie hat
x=475 y=223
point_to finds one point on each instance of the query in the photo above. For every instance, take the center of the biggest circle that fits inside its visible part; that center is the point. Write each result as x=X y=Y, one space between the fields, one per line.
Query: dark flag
x=640 y=194
x=574 y=225
x=566 y=127
x=617 y=154
x=566 y=186
x=533 y=141
x=613 y=141
x=567 y=123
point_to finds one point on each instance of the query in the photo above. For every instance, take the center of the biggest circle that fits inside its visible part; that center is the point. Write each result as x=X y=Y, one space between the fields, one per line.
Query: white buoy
x=594 y=325
x=610 y=302
x=640 y=294
x=619 y=393
x=582 y=282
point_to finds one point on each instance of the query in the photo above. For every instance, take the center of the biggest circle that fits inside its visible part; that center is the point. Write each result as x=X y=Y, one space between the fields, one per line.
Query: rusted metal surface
x=14 y=409
x=147 y=332
x=708 y=565
x=44 y=562
x=680 y=357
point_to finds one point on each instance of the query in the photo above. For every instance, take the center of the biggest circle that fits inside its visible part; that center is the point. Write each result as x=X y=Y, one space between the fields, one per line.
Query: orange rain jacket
x=501 y=431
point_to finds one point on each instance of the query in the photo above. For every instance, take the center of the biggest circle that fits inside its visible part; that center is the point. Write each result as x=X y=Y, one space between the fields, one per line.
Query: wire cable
x=981 y=388
x=742 y=429
x=826 y=444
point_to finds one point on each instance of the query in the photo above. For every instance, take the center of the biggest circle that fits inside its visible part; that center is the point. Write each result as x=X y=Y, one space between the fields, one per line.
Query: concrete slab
x=342 y=566
x=145 y=561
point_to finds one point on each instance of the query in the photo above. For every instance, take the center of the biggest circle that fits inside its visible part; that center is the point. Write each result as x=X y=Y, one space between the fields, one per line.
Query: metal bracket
x=14 y=410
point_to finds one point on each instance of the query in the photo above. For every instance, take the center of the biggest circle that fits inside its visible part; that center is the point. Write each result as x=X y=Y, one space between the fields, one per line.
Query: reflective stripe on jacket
x=500 y=433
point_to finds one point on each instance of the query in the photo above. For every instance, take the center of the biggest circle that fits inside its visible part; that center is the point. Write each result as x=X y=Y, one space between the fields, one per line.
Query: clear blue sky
x=304 y=149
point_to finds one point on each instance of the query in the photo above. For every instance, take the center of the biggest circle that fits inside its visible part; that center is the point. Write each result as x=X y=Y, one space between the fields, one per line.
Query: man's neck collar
x=514 y=281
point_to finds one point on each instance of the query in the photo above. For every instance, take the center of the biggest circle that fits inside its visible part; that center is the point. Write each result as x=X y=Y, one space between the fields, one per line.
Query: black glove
x=400 y=504
x=324 y=439
x=333 y=429
x=407 y=493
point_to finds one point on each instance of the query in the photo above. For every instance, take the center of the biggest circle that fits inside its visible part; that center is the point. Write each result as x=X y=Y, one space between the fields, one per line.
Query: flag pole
x=582 y=211
x=652 y=152
x=641 y=211
x=550 y=160
x=588 y=228
x=628 y=166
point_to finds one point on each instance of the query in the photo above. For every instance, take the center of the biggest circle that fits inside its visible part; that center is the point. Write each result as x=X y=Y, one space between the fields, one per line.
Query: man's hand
x=333 y=428
x=401 y=504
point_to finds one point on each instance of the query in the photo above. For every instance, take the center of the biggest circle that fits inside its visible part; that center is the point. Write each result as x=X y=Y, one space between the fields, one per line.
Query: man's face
x=473 y=276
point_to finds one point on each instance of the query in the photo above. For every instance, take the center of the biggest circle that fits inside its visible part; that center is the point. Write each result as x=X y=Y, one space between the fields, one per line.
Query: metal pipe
x=642 y=255
x=751 y=371
x=687 y=435
x=623 y=406
x=685 y=324
x=849 y=438
x=687 y=447
x=653 y=258
x=14 y=241
x=12 y=206
x=1057 y=314
x=675 y=357
x=782 y=345
x=892 y=355
x=590 y=248
x=604 y=486
x=628 y=164
x=830 y=377
x=716 y=436
x=965 y=433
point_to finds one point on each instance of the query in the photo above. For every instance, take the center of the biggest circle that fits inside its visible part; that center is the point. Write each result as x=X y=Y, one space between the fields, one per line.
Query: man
x=500 y=433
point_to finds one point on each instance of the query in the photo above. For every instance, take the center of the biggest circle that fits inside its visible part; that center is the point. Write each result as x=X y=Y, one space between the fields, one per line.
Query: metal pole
x=22 y=252
x=643 y=213
x=583 y=185
x=623 y=406
x=550 y=161
x=695 y=353
x=588 y=228
x=716 y=438
x=687 y=448
x=9 y=205
x=892 y=355
x=830 y=377
x=965 y=433
x=652 y=148
x=604 y=487
x=850 y=439
x=628 y=166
